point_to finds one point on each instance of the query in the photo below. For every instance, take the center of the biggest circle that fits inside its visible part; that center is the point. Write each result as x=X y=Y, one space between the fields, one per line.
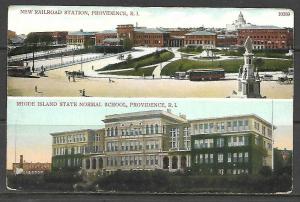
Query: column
x=83 y=164
x=97 y=163
x=170 y=163
x=179 y=162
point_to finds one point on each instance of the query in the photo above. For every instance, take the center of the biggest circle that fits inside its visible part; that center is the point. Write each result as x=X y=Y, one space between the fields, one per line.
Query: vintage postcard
x=150 y=52
x=150 y=99
x=150 y=145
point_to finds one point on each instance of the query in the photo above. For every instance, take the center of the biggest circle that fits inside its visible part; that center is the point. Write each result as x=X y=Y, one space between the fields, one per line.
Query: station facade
x=156 y=139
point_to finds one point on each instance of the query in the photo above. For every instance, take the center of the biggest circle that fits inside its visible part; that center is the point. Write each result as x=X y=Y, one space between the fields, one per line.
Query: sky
x=149 y=17
x=30 y=127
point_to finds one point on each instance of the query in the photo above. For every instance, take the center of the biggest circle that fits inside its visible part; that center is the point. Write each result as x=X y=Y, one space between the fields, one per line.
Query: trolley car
x=20 y=71
x=205 y=74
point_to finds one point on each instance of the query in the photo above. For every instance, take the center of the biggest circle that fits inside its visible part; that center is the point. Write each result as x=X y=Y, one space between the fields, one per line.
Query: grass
x=149 y=59
x=190 y=50
x=230 y=66
x=139 y=72
x=258 y=53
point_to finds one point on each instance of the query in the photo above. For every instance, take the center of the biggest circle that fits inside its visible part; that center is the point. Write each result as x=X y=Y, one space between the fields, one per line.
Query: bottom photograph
x=149 y=145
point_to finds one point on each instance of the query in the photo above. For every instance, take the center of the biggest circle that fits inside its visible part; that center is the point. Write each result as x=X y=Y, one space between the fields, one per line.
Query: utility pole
x=81 y=63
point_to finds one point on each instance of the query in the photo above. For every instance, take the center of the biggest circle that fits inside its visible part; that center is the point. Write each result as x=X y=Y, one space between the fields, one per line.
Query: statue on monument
x=248 y=45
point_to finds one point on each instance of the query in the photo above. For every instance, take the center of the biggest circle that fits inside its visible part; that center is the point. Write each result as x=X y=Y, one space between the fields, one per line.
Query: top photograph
x=182 y=52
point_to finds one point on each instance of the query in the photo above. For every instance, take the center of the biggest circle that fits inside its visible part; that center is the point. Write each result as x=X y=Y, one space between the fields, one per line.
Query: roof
x=232 y=117
x=149 y=30
x=71 y=131
x=200 y=33
x=260 y=27
x=107 y=32
x=81 y=33
x=143 y=115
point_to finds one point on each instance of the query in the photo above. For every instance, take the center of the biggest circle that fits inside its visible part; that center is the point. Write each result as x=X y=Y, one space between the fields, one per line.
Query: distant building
x=237 y=24
x=10 y=34
x=81 y=38
x=204 y=39
x=156 y=139
x=266 y=37
x=282 y=158
x=226 y=40
x=70 y=148
x=27 y=168
x=106 y=34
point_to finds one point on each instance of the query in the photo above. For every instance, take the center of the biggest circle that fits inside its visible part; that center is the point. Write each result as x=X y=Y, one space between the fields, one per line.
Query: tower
x=248 y=80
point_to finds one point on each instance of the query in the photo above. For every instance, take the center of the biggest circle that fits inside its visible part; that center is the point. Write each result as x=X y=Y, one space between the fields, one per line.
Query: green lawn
x=150 y=59
x=139 y=72
x=230 y=66
x=257 y=53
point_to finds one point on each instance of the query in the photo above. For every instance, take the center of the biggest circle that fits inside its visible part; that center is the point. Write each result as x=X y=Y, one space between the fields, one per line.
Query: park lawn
x=230 y=66
x=145 y=60
x=139 y=72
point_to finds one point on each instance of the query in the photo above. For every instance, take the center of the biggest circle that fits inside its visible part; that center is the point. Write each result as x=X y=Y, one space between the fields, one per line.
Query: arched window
x=108 y=132
x=112 y=132
x=165 y=162
x=116 y=131
x=174 y=162
x=100 y=160
x=94 y=164
x=147 y=129
x=87 y=164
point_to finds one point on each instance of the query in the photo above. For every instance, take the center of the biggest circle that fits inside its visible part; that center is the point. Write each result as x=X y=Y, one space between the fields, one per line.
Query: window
x=229 y=157
x=240 y=122
x=222 y=127
x=229 y=126
x=263 y=128
x=200 y=158
x=246 y=157
x=220 y=158
x=269 y=132
x=186 y=138
x=211 y=127
x=234 y=125
x=174 y=133
x=156 y=129
x=206 y=158
x=211 y=158
x=220 y=142
x=206 y=128
x=234 y=157
x=240 y=157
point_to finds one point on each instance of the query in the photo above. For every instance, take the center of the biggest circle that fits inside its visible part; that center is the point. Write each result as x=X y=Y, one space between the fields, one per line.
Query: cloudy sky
x=150 y=17
x=30 y=127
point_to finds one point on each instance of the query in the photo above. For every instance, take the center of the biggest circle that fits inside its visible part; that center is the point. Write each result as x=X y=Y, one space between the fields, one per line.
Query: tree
x=127 y=44
x=258 y=62
x=39 y=38
x=88 y=43
x=265 y=171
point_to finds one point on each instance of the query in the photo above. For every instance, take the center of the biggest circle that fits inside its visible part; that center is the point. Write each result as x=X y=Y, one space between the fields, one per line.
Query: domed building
x=239 y=23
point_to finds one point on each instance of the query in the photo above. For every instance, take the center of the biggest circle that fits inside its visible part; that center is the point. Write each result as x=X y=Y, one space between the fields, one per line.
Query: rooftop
x=107 y=32
x=143 y=114
x=149 y=30
x=200 y=33
x=82 y=33
x=261 y=27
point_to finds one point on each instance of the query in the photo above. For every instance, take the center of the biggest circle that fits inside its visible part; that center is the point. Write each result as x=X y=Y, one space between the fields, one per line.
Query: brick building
x=100 y=37
x=29 y=168
x=59 y=37
x=226 y=40
x=201 y=38
x=267 y=37
x=81 y=37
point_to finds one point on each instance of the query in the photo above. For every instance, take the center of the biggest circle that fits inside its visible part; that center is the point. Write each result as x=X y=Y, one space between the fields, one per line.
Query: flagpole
x=272 y=137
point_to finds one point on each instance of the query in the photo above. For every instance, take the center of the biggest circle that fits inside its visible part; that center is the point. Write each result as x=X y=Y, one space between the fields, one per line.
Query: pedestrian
x=32 y=69
x=109 y=80
x=35 y=89
x=73 y=77
x=69 y=78
x=42 y=68
x=152 y=76
x=92 y=67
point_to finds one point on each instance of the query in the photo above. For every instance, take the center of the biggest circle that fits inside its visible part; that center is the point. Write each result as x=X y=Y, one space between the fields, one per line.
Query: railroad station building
x=81 y=37
x=157 y=139
x=266 y=37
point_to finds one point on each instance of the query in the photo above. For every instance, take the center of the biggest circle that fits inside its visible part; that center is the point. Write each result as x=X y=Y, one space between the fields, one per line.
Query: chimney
x=182 y=116
x=21 y=161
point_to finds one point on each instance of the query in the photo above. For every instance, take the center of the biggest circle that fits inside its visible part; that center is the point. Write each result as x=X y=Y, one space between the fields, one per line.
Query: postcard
x=144 y=52
x=150 y=99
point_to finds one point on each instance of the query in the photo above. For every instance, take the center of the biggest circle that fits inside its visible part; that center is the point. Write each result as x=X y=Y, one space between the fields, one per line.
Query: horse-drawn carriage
x=285 y=79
